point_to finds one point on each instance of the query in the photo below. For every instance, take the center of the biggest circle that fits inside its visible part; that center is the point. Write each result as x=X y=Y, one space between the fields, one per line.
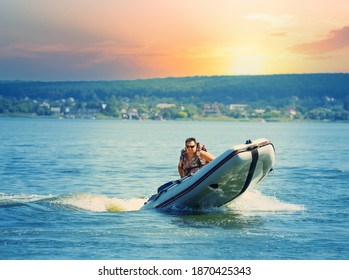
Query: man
x=193 y=157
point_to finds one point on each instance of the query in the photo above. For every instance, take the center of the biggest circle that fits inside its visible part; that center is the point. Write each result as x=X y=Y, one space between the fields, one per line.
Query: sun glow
x=138 y=39
x=248 y=61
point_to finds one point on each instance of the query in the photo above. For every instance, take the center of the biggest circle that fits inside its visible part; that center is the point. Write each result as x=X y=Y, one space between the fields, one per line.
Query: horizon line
x=173 y=77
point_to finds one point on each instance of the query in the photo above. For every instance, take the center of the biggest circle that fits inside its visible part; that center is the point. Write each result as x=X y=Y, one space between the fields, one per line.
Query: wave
x=18 y=199
x=252 y=202
x=101 y=203
x=83 y=201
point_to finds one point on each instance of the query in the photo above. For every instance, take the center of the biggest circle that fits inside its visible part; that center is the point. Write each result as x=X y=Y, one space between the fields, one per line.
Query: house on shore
x=211 y=109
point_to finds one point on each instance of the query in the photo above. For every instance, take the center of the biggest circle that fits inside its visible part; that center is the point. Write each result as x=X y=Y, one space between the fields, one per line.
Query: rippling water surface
x=72 y=189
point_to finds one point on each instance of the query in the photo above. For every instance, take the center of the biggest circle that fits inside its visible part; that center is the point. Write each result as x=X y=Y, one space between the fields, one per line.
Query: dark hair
x=189 y=140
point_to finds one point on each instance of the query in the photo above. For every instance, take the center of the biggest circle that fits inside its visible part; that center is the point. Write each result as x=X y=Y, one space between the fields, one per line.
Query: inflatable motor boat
x=220 y=181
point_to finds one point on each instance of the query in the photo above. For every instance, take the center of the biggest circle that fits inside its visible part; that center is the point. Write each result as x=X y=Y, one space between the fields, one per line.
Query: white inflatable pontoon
x=220 y=181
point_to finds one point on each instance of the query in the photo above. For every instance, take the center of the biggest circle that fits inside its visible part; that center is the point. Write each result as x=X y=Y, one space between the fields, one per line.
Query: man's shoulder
x=202 y=147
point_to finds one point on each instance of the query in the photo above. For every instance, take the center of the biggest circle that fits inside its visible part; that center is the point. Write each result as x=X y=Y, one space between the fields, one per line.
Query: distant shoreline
x=197 y=119
x=271 y=98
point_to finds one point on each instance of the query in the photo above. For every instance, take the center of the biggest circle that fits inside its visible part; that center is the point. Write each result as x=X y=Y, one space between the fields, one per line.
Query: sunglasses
x=190 y=147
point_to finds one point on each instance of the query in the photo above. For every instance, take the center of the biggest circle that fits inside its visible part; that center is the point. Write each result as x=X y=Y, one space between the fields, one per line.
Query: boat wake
x=102 y=203
x=252 y=202
x=80 y=201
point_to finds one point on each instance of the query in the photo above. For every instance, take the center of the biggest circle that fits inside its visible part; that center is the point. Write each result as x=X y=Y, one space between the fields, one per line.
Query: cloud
x=98 y=52
x=109 y=50
x=105 y=59
x=279 y=34
x=335 y=40
x=273 y=20
x=29 y=50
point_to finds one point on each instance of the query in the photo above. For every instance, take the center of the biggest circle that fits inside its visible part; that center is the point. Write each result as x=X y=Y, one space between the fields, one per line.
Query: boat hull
x=220 y=181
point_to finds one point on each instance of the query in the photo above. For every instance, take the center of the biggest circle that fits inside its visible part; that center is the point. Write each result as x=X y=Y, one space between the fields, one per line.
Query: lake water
x=72 y=189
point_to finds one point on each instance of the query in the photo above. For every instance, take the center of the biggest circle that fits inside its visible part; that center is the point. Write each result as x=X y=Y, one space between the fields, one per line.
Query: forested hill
x=223 y=89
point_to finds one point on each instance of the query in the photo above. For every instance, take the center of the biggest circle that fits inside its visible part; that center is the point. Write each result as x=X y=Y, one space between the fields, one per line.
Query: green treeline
x=270 y=97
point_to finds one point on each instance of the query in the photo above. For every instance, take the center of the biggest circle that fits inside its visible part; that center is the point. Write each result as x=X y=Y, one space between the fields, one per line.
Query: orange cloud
x=335 y=40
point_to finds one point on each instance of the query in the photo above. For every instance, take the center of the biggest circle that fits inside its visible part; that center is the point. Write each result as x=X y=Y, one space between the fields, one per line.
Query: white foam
x=102 y=203
x=253 y=201
x=22 y=198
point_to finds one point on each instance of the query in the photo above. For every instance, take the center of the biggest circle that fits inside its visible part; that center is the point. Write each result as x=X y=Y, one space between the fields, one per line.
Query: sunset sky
x=52 y=40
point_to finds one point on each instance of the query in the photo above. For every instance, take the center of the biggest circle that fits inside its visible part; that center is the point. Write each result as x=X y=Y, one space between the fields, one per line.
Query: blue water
x=72 y=189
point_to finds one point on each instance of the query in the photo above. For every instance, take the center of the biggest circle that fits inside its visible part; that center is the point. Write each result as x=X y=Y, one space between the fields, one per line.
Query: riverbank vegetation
x=243 y=98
